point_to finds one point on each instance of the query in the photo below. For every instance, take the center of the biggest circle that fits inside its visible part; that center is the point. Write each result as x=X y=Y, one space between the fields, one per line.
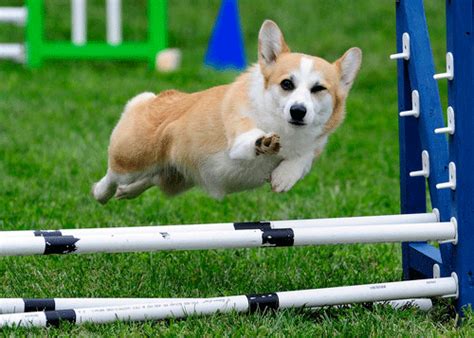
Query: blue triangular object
x=226 y=46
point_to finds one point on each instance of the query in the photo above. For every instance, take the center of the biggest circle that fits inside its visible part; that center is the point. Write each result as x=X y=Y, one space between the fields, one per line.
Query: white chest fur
x=221 y=175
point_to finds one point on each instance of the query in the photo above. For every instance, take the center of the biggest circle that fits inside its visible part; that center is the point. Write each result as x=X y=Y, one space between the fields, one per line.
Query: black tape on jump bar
x=60 y=245
x=45 y=304
x=263 y=302
x=53 y=318
x=252 y=225
x=278 y=237
x=46 y=233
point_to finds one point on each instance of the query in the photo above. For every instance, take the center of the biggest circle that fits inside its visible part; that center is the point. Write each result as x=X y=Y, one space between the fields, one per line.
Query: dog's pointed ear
x=270 y=43
x=348 y=66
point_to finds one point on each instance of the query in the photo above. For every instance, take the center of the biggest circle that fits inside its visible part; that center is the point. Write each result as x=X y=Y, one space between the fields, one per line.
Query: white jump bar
x=446 y=286
x=23 y=305
x=12 y=51
x=16 y=15
x=306 y=223
x=195 y=240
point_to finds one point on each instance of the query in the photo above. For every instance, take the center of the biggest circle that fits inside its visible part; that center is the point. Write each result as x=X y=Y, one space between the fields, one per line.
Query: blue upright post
x=417 y=134
x=412 y=190
x=460 y=20
x=226 y=46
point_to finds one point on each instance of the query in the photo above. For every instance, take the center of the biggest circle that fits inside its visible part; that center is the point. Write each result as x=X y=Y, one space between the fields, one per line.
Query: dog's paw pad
x=268 y=144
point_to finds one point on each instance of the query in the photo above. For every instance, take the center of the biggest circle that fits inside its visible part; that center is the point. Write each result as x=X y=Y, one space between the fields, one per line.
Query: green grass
x=54 y=127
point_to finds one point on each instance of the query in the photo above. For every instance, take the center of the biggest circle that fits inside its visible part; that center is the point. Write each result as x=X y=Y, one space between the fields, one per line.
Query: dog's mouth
x=297 y=123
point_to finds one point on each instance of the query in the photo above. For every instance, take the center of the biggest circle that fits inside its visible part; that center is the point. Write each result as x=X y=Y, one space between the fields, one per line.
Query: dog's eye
x=287 y=85
x=317 y=88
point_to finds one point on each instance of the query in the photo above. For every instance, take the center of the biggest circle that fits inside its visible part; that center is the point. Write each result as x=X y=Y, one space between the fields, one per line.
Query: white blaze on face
x=318 y=106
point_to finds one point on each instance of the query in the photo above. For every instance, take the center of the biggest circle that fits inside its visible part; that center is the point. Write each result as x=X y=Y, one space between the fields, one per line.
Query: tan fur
x=173 y=128
x=176 y=131
x=287 y=62
x=339 y=112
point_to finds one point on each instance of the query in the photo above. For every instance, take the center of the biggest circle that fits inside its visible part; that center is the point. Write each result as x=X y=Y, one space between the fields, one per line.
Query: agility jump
x=430 y=272
x=36 y=49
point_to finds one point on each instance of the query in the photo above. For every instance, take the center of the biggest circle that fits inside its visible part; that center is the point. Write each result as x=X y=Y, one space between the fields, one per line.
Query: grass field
x=54 y=127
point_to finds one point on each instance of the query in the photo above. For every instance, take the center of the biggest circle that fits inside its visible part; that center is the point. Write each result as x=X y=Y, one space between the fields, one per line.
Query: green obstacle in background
x=37 y=49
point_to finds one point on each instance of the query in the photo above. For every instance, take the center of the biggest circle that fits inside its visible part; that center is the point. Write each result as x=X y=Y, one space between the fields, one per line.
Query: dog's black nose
x=297 y=112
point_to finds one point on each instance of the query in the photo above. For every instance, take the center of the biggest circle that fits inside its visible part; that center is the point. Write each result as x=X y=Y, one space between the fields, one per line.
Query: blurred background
x=55 y=122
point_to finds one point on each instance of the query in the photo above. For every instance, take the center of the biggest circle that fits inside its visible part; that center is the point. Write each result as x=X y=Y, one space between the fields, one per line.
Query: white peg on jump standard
x=415 y=104
x=451 y=184
x=406 y=49
x=454 y=240
x=425 y=161
x=451 y=126
x=436 y=271
x=449 y=69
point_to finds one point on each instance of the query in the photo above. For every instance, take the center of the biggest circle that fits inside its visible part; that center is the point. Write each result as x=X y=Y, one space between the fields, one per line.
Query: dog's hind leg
x=173 y=183
x=104 y=189
x=132 y=190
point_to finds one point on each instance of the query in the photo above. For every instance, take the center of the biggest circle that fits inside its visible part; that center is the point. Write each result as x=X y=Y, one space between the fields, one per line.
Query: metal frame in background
x=38 y=49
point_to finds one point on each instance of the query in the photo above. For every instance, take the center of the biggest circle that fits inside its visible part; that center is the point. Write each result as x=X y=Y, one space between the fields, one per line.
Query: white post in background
x=114 y=22
x=78 y=22
x=16 y=15
x=12 y=51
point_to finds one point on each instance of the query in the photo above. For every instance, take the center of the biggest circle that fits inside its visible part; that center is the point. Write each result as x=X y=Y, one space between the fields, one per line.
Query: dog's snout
x=297 y=112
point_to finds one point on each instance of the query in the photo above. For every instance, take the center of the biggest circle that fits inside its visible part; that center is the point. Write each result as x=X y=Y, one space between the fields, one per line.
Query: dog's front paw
x=267 y=144
x=283 y=180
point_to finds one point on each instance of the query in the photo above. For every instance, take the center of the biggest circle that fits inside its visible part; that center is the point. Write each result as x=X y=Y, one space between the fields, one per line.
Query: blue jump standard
x=417 y=134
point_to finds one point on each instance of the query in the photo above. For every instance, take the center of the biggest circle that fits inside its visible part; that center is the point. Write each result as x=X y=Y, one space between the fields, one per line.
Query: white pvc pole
x=376 y=234
x=281 y=300
x=13 y=51
x=304 y=223
x=434 y=287
x=21 y=305
x=422 y=304
x=114 y=22
x=16 y=246
x=78 y=22
x=16 y=15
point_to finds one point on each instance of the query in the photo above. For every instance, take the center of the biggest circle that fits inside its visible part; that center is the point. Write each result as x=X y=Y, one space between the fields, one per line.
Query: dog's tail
x=139 y=100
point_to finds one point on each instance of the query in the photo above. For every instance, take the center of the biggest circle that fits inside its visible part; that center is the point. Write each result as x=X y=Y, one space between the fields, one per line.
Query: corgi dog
x=267 y=126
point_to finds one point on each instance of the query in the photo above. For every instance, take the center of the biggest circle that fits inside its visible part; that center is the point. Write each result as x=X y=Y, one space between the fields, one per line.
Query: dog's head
x=306 y=90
